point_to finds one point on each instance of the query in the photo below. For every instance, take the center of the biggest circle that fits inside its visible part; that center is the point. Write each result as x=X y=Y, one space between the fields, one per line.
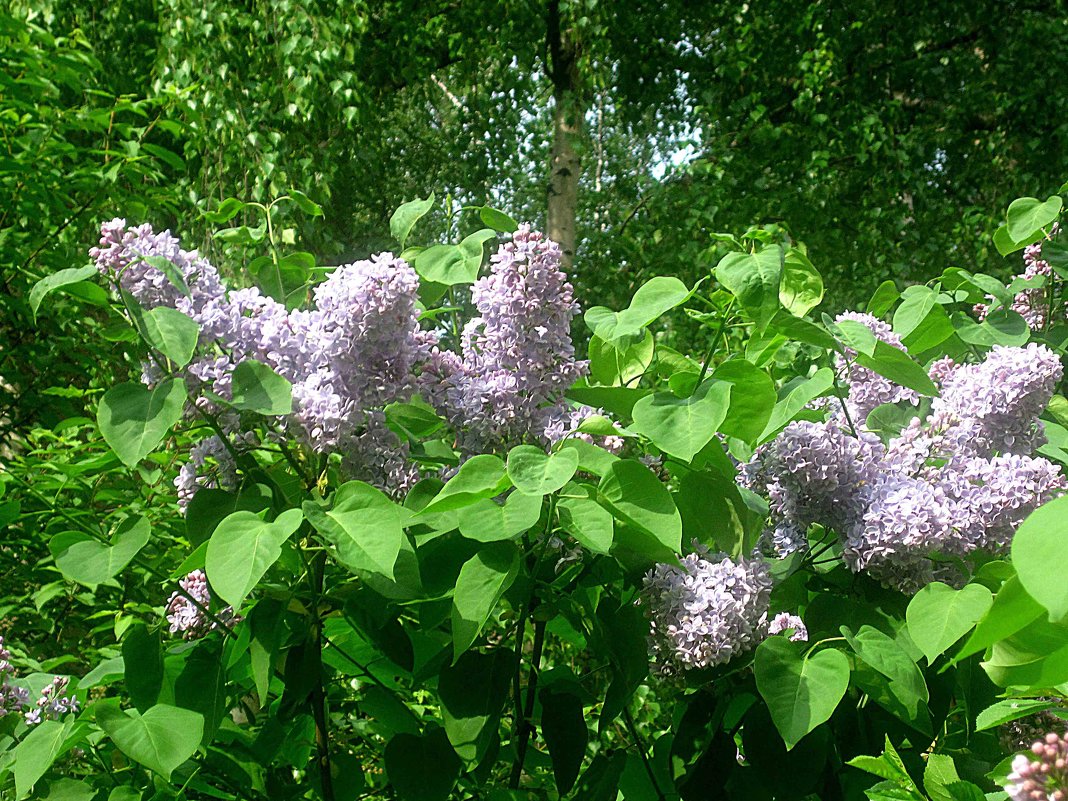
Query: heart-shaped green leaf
x=1041 y=541
x=242 y=548
x=535 y=472
x=586 y=520
x=364 y=525
x=801 y=288
x=422 y=767
x=258 y=388
x=939 y=615
x=754 y=279
x=170 y=332
x=161 y=739
x=134 y=419
x=88 y=561
x=34 y=755
x=488 y=521
x=653 y=298
x=481 y=476
x=406 y=216
x=683 y=426
x=801 y=692
x=1028 y=215
x=57 y=280
x=482 y=581
x=639 y=498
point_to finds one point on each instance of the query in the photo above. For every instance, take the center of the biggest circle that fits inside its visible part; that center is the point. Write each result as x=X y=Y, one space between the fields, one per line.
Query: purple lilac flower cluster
x=12 y=697
x=961 y=480
x=518 y=357
x=1032 y=303
x=52 y=703
x=1042 y=776
x=361 y=347
x=189 y=619
x=784 y=622
x=705 y=610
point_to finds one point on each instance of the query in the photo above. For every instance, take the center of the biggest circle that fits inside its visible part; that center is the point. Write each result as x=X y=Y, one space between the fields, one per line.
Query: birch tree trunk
x=565 y=163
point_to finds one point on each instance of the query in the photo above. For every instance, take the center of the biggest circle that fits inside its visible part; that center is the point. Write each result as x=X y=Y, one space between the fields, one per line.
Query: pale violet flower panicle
x=868 y=389
x=120 y=258
x=563 y=423
x=705 y=611
x=905 y=520
x=1041 y=775
x=993 y=407
x=53 y=702
x=188 y=619
x=813 y=473
x=210 y=465
x=1032 y=303
x=12 y=697
x=518 y=356
x=785 y=622
x=992 y=497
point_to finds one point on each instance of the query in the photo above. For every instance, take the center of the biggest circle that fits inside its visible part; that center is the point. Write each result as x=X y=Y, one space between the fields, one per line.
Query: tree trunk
x=565 y=165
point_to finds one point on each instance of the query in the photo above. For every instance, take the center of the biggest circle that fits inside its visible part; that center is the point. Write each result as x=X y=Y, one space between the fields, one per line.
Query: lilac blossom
x=120 y=257
x=12 y=697
x=1042 y=775
x=210 y=465
x=704 y=611
x=1031 y=303
x=563 y=422
x=190 y=619
x=813 y=473
x=52 y=703
x=518 y=357
x=784 y=622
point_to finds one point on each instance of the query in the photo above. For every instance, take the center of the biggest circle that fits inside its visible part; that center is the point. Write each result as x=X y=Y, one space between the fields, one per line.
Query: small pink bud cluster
x=1043 y=776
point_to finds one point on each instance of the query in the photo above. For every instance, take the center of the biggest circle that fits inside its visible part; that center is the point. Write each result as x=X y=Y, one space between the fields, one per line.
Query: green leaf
x=161 y=739
x=683 y=426
x=537 y=473
x=364 y=525
x=228 y=209
x=801 y=692
x=621 y=362
x=447 y=265
x=618 y=401
x=801 y=289
x=895 y=364
x=481 y=476
x=655 y=297
x=586 y=520
x=258 y=388
x=1027 y=215
x=134 y=419
x=34 y=755
x=488 y=521
x=939 y=772
x=170 y=332
x=241 y=550
x=798 y=398
x=636 y=496
x=306 y=204
x=56 y=280
x=406 y=216
x=885 y=296
x=1009 y=710
x=422 y=768
x=142 y=657
x=752 y=399
x=938 y=615
x=88 y=561
x=884 y=654
x=472 y=693
x=482 y=581
x=563 y=726
x=497 y=220
x=754 y=278
x=170 y=270
x=1013 y=609
x=286 y=279
x=965 y=791
x=1039 y=552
